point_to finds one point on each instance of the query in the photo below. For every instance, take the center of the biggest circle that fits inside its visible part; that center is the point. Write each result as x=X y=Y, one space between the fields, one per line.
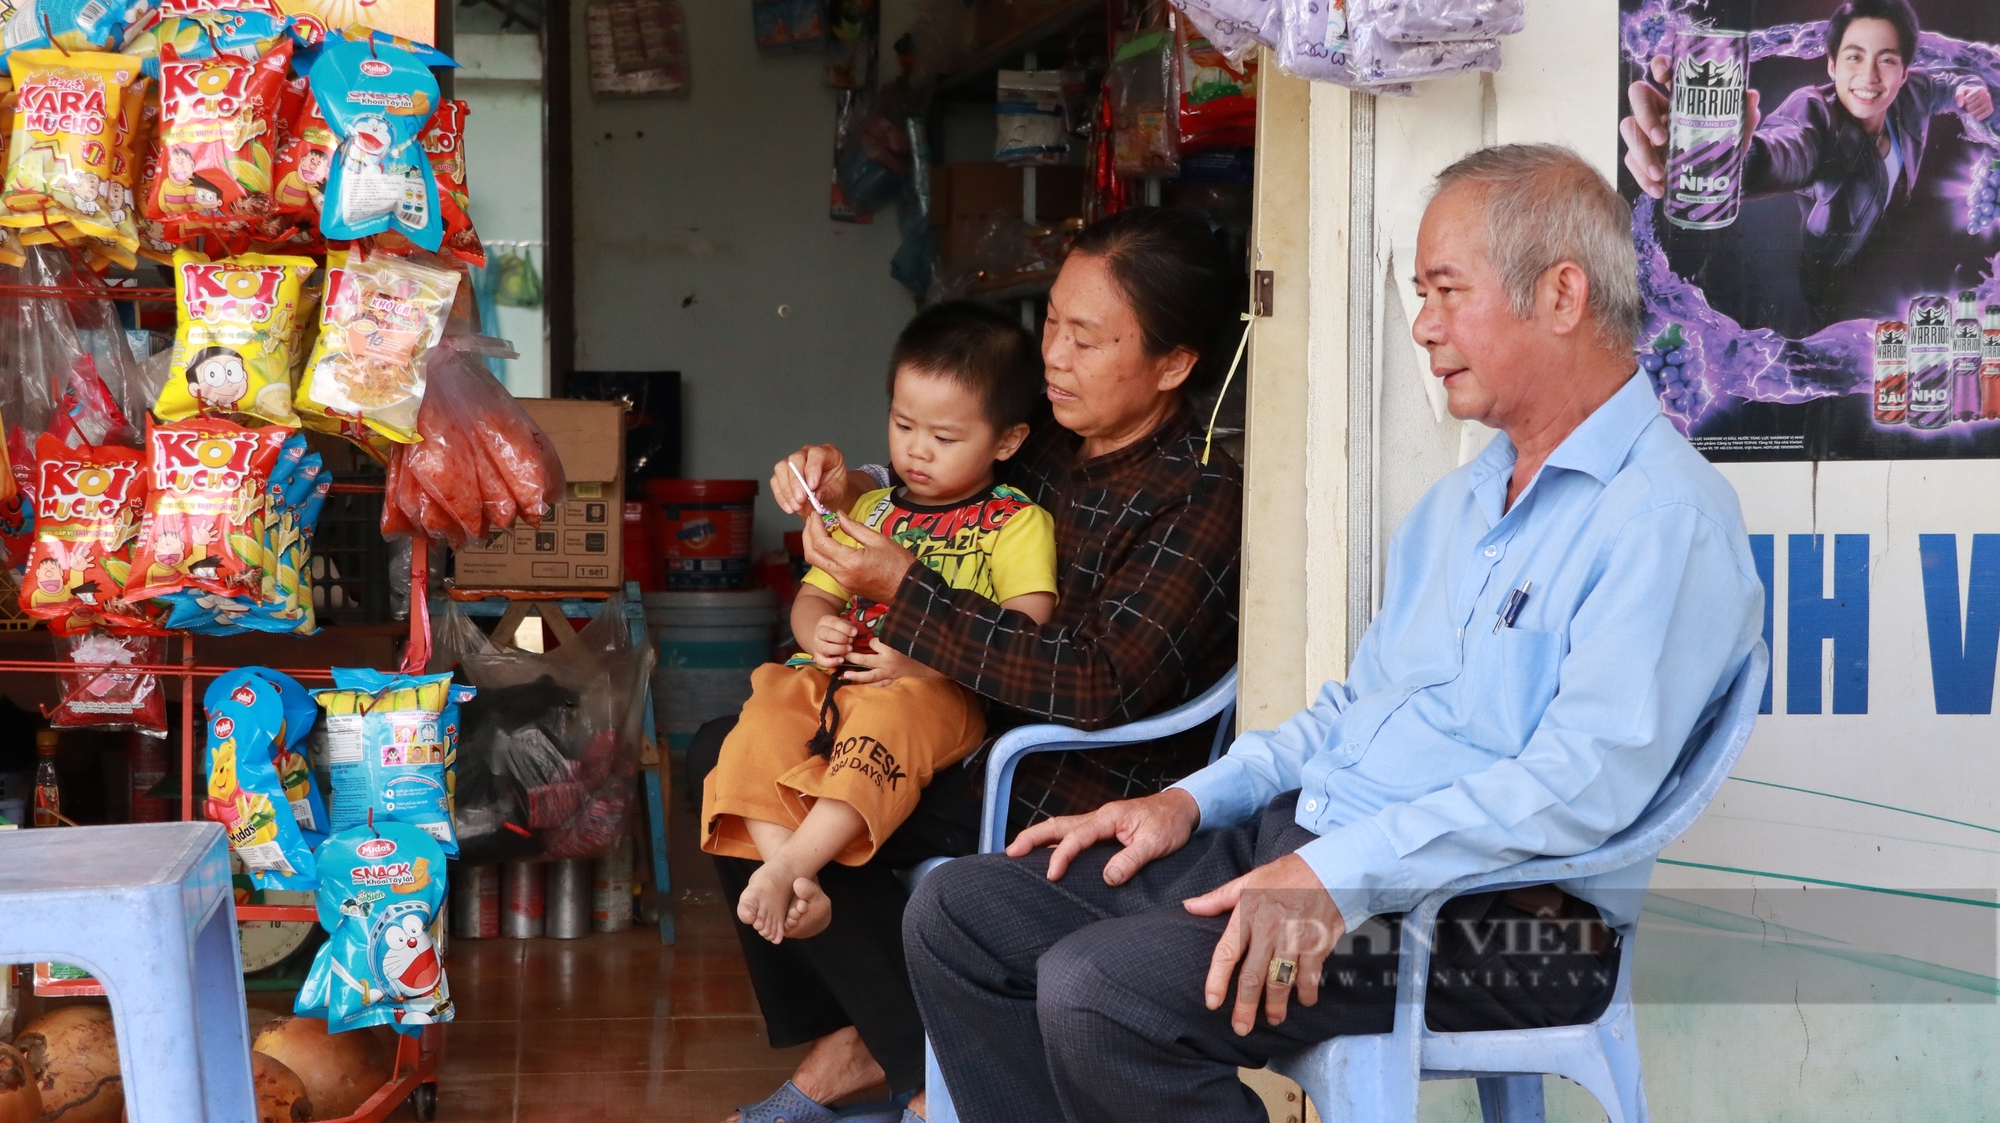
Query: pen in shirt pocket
x=1510 y=610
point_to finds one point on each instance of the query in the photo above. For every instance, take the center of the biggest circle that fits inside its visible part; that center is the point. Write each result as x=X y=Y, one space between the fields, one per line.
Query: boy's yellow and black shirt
x=998 y=545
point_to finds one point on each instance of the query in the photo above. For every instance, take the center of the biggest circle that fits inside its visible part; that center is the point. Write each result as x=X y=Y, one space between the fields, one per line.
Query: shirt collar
x=1597 y=447
x=1147 y=448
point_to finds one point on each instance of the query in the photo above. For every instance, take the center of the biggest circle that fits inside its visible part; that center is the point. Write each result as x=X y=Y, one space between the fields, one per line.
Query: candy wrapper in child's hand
x=65 y=129
x=247 y=736
x=232 y=349
x=381 y=900
x=378 y=321
x=377 y=99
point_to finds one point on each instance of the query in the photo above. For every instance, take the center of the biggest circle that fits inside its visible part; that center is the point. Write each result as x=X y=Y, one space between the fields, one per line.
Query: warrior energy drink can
x=1892 y=371
x=1989 y=366
x=1968 y=338
x=1705 y=136
x=1930 y=362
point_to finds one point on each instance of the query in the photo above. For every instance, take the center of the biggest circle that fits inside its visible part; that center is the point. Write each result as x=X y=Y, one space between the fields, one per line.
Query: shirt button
x=1312 y=805
x=1492 y=551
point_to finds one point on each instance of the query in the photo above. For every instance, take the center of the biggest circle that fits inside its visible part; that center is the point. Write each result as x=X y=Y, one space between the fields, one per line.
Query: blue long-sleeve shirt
x=1455 y=749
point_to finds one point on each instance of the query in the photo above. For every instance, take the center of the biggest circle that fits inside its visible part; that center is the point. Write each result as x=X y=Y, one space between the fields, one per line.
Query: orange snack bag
x=87 y=504
x=444 y=142
x=204 y=508
x=305 y=157
x=65 y=129
x=217 y=125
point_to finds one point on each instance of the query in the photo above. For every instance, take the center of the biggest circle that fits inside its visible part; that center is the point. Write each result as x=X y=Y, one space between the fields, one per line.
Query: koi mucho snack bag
x=65 y=129
x=381 y=900
x=232 y=349
x=204 y=527
x=247 y=736
x=387 y=749
x=218 y=125
x=87 y=509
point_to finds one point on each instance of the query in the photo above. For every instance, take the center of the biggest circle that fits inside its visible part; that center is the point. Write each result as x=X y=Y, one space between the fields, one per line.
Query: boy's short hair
x=982 y=349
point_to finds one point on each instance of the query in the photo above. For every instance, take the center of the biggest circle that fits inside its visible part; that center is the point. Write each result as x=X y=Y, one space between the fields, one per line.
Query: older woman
x=1147 y=539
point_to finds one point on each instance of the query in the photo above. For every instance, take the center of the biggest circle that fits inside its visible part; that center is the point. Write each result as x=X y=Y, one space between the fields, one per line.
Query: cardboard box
x=963 y=196
x=579 y=546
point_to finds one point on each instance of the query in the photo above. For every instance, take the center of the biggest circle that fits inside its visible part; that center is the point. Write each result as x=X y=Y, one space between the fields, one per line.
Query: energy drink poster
x=1814 y=189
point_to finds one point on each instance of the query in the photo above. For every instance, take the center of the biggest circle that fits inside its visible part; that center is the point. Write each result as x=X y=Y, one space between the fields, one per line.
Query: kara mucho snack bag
x=204 y=508
x=377 y=99
x=87 y=505
x=232 y=347
x=218 y=121
x=65 y=127
x=249 y=730
x=381 y=900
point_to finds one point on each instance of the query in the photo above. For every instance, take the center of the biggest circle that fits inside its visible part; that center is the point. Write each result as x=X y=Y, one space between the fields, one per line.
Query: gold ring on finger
x=1282 y=972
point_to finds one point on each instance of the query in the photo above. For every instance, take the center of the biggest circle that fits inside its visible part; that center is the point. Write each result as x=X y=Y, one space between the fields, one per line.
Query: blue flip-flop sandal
x=789 y=1105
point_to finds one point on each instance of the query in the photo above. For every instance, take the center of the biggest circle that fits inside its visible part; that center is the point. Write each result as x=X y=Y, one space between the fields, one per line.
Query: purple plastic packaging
x=1440 y=21
x=1705 y=145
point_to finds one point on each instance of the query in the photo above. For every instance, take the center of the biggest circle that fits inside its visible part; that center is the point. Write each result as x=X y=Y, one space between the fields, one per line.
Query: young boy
x=816 y=771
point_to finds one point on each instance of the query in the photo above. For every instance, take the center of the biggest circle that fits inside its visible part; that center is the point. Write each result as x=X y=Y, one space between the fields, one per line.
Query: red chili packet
x=87 y=504
x=444 y=142
x=218 y=120
x=204 y=514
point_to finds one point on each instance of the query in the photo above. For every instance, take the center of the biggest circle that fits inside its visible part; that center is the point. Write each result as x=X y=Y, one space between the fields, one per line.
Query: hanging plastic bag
x=1146 y=141
x=380 y=317
x=1440 y=21
x=1236 y=27
x=516 y=283
x=232 y=348
x=1217 y=98
x=381 y=900
x=248 y=733
x=387 y=747
x=1031 y=118
x=65 y=127
x=106 y=698
x=377 y=100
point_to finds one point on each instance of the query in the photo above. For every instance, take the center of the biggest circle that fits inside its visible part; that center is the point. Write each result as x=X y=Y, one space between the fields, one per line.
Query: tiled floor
x=610 y=1027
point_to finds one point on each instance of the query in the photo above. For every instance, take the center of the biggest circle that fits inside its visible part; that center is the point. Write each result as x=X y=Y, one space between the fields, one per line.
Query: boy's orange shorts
x=889 y=741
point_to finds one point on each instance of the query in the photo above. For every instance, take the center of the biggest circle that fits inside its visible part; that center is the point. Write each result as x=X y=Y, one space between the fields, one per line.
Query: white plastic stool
x=148 y=910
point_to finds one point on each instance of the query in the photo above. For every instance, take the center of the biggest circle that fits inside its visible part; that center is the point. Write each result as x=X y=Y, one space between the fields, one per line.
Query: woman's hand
x=873 y=569
x=884 y=666
x=821 y=465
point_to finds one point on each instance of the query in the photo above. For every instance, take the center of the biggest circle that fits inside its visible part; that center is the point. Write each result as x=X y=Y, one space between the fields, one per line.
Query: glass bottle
x=48 y=790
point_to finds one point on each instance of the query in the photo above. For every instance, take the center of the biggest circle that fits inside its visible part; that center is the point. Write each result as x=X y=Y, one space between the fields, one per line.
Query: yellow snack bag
x=377 y=319
x=232 y=348
x=65 y=130
x=128 y=161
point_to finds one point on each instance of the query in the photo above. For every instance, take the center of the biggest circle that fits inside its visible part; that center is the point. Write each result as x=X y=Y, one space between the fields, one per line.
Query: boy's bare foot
x=767 y=901
x=811 y=910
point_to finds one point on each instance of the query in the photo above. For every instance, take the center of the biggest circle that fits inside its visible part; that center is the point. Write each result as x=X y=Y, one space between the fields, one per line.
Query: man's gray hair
x=1546 y=205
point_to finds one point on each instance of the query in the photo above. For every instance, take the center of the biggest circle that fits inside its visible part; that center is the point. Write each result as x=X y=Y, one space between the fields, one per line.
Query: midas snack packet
x=87 y=509
x=65 y=128
x=387 y=748
x=381 y=900
x=377 y=99
x=204 y=523
x=232 y=348
x=377 y=320
x=249 y=731
x=218 y=122
x=369 y=680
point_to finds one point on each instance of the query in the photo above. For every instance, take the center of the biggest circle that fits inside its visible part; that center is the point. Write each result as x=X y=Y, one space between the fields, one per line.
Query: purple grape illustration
x=1665 y=362
x=1985 y=195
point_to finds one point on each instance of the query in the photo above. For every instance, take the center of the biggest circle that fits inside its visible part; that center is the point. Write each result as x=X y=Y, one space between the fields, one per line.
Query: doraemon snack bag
x=377 y=100
x=386 y=745
x=381 y=900
x=247 y=735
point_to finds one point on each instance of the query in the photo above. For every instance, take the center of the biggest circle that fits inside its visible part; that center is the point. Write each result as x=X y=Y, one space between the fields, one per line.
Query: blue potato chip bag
x=369 y=679
x=386 y=744
x=79 y=25
x=377 y=100
x=202 y=35
x=381 y=900
x=256 y=789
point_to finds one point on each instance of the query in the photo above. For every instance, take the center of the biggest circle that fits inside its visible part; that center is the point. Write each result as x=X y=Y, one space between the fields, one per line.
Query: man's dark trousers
x=1075 y=1000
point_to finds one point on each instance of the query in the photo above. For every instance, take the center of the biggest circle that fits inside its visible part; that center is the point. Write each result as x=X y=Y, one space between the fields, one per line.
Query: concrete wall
x=703 y=246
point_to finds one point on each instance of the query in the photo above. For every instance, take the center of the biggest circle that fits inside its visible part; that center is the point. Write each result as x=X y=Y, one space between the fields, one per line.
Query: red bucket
x=701 y=529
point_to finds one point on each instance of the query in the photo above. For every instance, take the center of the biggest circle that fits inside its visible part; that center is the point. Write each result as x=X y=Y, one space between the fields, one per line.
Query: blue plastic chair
x=147 y=909
x=1016 y=745
x=1375 y=1077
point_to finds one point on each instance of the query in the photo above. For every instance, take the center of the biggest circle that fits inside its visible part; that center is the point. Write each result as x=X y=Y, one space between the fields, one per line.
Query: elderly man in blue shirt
x=1558 y=616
